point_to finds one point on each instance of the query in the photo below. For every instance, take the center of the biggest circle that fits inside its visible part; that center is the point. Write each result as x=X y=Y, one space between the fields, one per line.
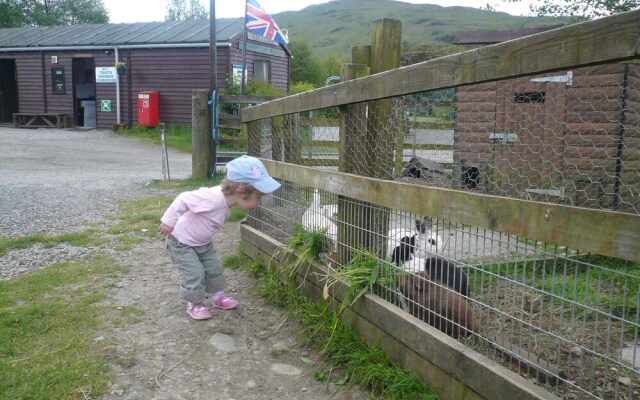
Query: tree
x=332 y=66
x=10 y=15
x=16 y=13
x=180 y=10
x=83 y=12
x=304 y=67
x=582 y=8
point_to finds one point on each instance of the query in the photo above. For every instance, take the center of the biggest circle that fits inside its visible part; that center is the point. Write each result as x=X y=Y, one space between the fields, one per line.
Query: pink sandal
x=225 y=302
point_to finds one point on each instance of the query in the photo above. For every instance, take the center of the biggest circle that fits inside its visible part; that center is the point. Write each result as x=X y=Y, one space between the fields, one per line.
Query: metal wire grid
x=567 y=320
x=570 y=137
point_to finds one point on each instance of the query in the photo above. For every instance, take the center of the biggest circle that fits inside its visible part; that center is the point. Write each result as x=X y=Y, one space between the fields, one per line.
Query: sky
x=155 y=10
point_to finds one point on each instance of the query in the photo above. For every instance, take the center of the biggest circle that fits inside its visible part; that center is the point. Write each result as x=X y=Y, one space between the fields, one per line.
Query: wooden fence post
x=363 y=132
x=277 y=139
x=253 y=138
x=382 y=131
x=293 y=146
x=202 y=145
x=361 y=55
x=352 y=216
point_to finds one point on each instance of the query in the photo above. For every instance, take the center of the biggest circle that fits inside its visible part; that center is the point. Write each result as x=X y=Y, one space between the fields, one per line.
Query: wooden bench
x=32 y=120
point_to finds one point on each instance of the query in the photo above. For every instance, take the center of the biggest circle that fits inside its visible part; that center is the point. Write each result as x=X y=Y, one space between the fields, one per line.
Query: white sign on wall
x=106 y=75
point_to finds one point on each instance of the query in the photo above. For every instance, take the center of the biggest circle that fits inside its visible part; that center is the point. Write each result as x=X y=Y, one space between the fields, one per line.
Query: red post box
x=148 y=109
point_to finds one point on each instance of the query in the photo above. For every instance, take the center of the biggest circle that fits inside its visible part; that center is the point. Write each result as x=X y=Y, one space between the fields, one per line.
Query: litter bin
x=148 y=109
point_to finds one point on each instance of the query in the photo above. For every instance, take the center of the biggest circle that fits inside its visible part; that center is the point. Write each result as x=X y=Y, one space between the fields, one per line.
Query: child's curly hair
x=241 y=189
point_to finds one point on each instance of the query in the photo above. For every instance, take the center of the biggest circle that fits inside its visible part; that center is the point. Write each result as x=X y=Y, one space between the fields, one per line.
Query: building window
x=530 y=97
x=262 y=71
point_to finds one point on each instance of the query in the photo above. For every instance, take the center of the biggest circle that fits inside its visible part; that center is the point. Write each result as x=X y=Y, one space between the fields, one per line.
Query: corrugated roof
x=109 y=35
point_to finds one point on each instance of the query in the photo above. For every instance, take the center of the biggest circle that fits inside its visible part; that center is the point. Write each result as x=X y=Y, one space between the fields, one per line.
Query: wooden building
x=69 y=70
x=570 y=137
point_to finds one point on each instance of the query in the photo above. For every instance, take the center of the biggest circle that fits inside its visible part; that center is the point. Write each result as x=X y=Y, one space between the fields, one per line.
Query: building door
x=528 y=141
x=8 y=90
x=84 y=91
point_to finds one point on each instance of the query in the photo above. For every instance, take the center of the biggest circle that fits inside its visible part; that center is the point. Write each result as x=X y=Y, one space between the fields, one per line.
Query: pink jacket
x=197 y=215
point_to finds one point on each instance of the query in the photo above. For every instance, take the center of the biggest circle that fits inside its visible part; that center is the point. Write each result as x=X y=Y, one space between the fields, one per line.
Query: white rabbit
x=318 y=218
x=409 y=249
x=429 y=241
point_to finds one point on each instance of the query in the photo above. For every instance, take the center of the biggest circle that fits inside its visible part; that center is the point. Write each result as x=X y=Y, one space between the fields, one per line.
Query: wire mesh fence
x=568 y=320
x=569 y=138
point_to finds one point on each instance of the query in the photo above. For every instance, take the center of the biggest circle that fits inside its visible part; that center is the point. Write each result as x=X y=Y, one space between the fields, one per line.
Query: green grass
x=359 y=363
x=607 y=287
x=84 y=238
x=338 y=26
x=49 y=320
x=177 y=137
x=237 y=214
x=139 y=220
x=354 y=362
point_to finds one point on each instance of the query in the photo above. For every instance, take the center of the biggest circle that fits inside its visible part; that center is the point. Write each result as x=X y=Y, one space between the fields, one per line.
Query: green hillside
x=333 y=28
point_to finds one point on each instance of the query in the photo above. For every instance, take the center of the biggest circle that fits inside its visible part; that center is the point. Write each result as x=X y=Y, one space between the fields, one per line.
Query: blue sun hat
x=247 y=169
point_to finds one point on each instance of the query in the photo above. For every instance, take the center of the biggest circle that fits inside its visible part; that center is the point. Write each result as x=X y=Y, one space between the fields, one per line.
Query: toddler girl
x=195 y=217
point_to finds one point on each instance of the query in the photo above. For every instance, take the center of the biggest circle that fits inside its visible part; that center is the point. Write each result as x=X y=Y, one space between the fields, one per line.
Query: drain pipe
x=117 y=88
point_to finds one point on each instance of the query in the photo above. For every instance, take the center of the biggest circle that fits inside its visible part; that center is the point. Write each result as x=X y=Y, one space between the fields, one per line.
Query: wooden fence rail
x=612 y=39
x=275 y=130
x=617 y=234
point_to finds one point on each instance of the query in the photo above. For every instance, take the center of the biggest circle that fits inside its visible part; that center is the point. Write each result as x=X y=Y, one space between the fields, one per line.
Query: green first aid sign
x=105 y=105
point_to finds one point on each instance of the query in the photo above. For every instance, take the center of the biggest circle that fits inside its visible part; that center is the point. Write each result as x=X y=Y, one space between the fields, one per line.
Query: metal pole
x=213 y=85
x=165 y=155
x=244 y=50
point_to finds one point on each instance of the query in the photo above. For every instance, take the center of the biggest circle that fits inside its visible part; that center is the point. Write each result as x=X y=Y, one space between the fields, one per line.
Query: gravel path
x=55 y=181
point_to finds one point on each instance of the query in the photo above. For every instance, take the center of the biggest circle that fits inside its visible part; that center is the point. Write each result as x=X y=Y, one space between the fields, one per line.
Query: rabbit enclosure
x=526 y=183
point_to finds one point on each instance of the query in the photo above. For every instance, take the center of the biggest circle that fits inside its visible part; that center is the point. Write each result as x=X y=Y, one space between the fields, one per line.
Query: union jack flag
x=260 y=22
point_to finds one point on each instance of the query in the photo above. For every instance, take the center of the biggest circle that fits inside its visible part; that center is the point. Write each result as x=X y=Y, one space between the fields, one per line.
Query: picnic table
x=50 y=120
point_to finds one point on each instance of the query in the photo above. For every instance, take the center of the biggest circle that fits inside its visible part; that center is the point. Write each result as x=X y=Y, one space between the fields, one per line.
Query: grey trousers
x=200 y=270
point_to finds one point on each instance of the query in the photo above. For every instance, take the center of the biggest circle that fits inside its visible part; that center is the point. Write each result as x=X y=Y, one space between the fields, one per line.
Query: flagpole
x=244 y=50
x=213 y=49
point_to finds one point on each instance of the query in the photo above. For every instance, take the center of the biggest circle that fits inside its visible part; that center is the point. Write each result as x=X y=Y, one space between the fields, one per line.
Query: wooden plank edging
x=446 y=360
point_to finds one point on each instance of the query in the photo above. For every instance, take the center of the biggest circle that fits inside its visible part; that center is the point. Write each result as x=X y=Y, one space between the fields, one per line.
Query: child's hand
x=165 y=229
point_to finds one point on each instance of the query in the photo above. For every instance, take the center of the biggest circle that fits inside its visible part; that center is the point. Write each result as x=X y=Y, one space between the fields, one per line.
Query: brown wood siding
x=29 y=74
x=107 y=91
x=175 y=84
x=630 y=172
x=592 y=133
x=474 y=103
x=173 y=72
x=570 y=140
x=59 y=102
x=35 y=91
x=279 y=65
x=224 y=67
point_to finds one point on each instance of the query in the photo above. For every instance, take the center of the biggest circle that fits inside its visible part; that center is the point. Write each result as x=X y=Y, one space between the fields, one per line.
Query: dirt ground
x=253 y=352
x=55 y=181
